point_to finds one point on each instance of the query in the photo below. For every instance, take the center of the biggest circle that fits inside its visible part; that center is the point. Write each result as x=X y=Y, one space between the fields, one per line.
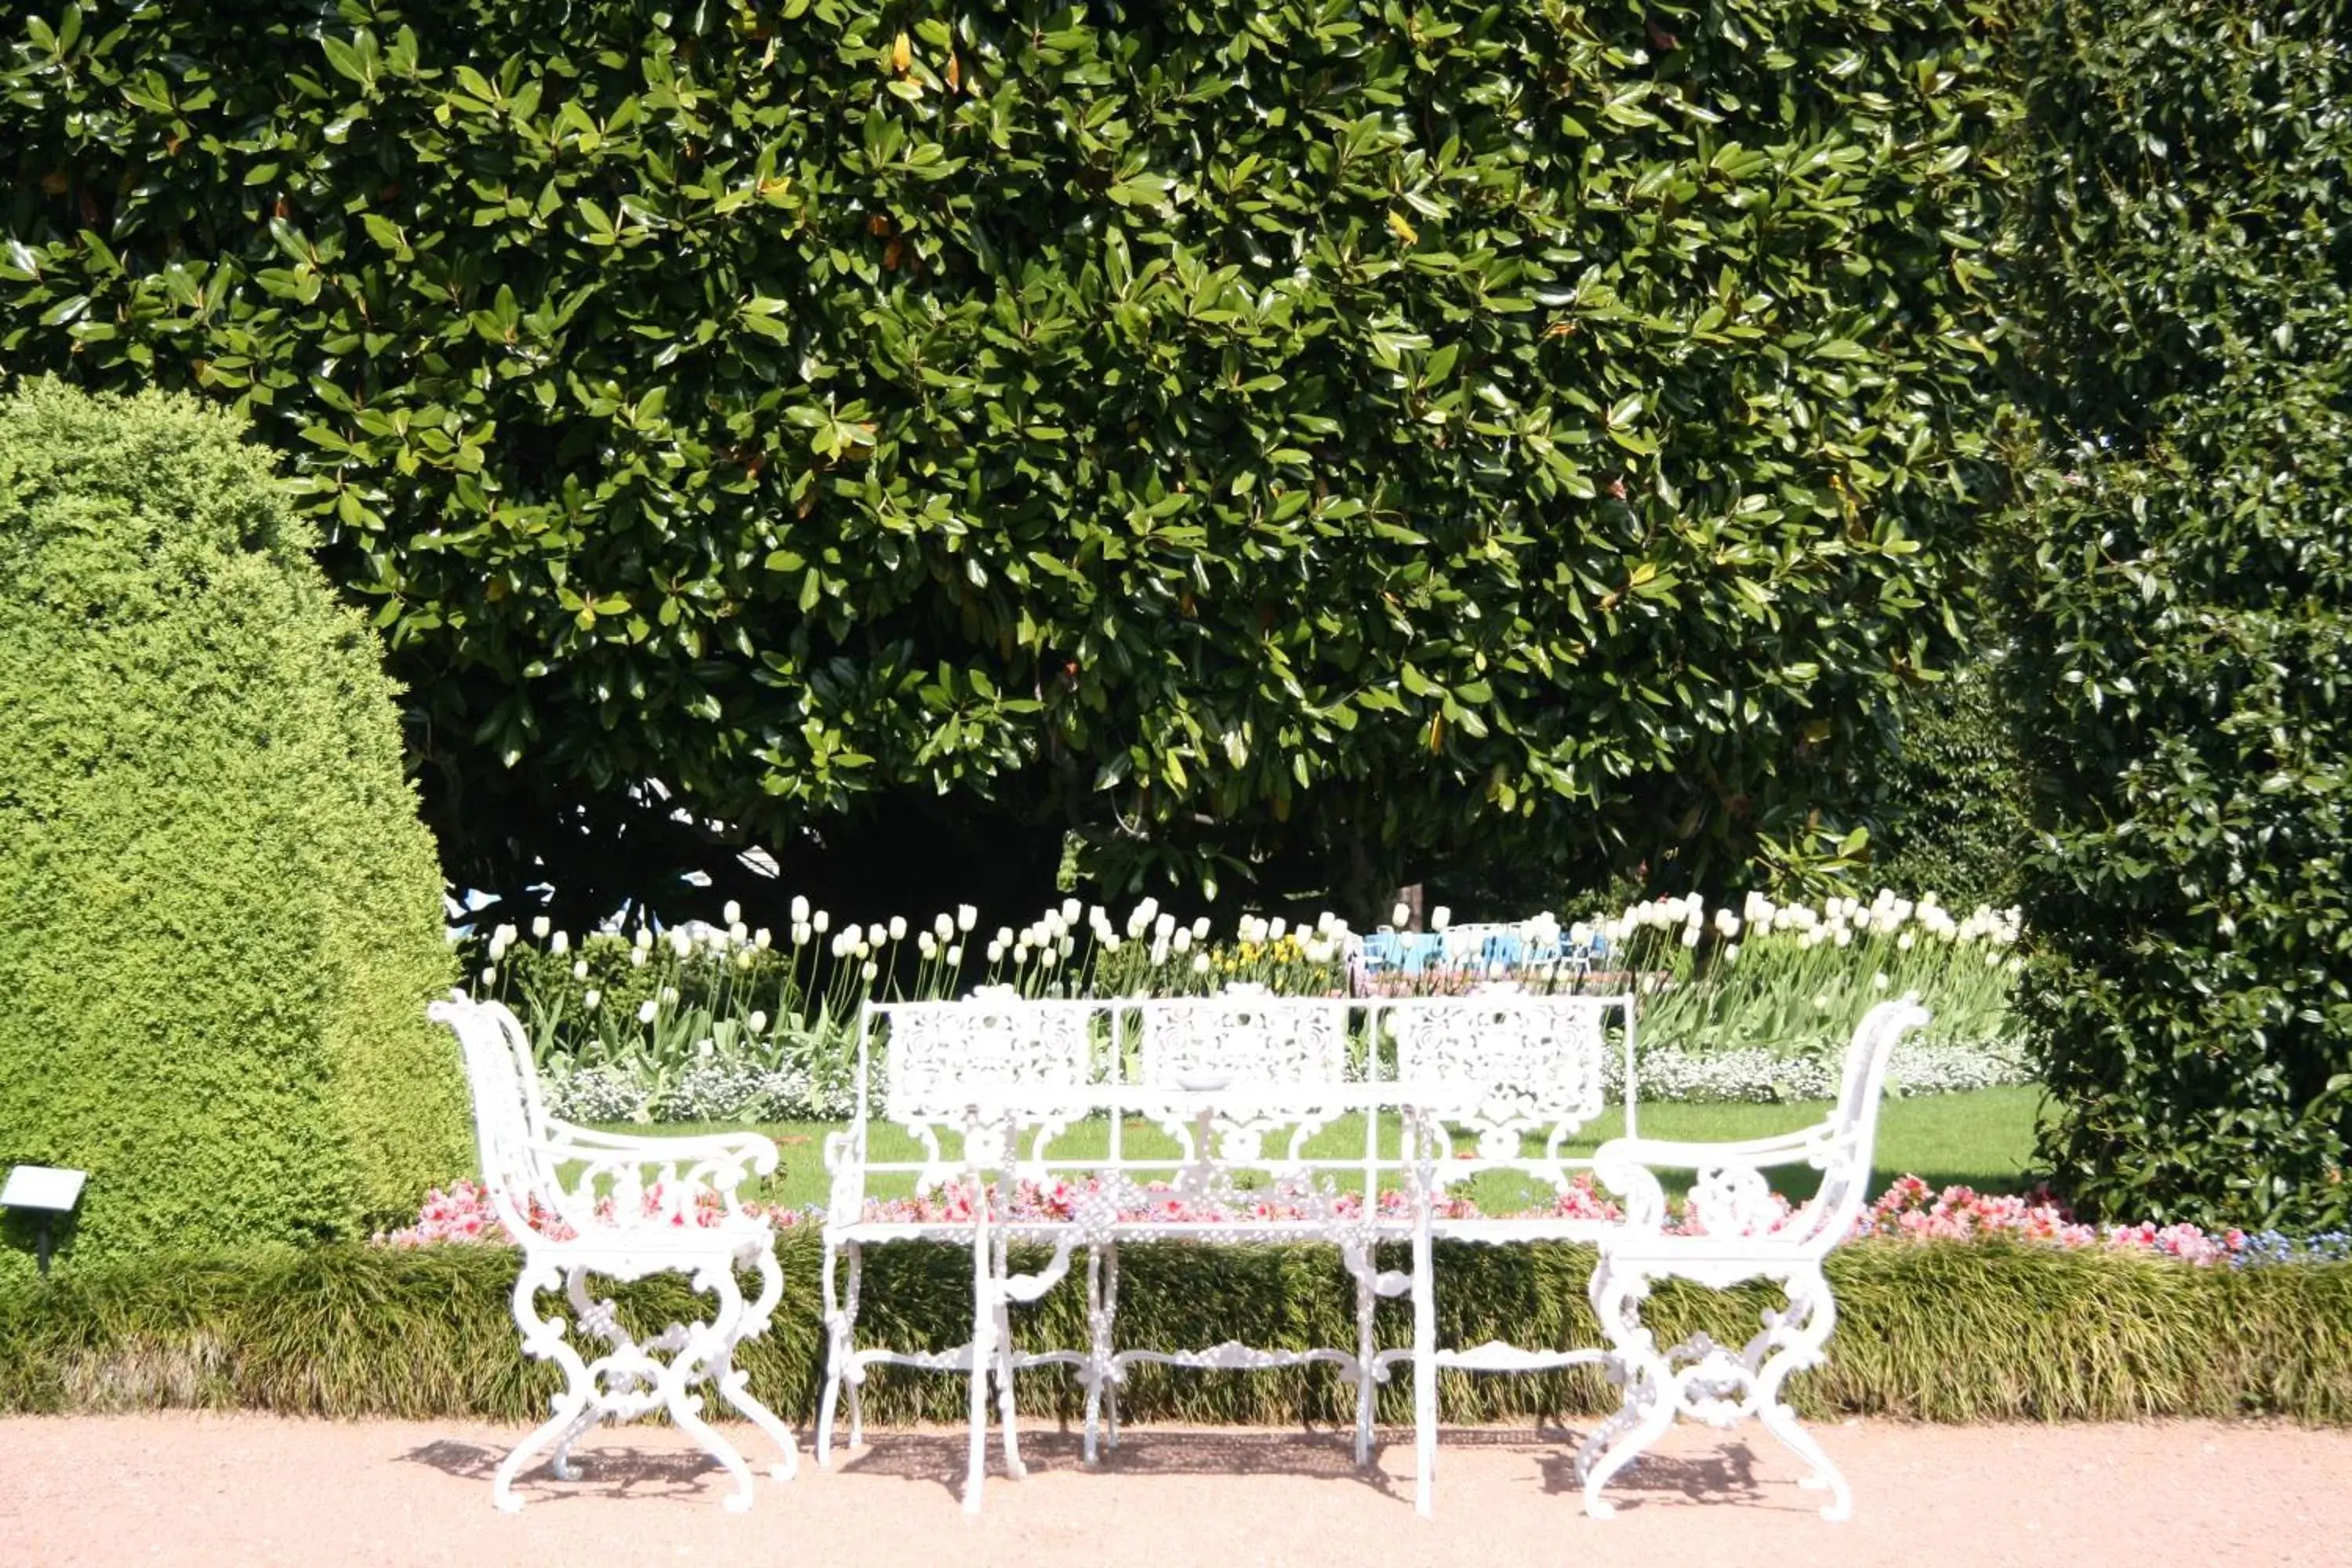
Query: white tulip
x=737 y=932
x=637 y=958
x=1047 y=959
x=1163 y=928
x=680 y=943
x=1110 y=941
x=955 y=955
x=1182 y=938
x=588 y=1003
x=762 y=939
x=801 y=932
x=732 y=912
x=1904 y=943
x=966 y=918
x=1878 y=981
x=869 y=972
x=758 y=1021
x=1440 y=917
x=897 y=928
x=819 y=921
x=490 y=975
x=800 y=908
x=669 y=995
x=562 y=944
x=1004 y=936
x=744 y=960
x=1200 y=963
x=995 y=952
x=1274 y=927
x=579 y=969
x=1401 y=916
x=944 y=928
x=504 y=936
x=539 y=928
x=865 y=950
x=1071 y=910
x=927 y=944
x=1731 y=953
x=1158 y=951
x=1690 y=936
x=645 y=1011
x=1201 y=929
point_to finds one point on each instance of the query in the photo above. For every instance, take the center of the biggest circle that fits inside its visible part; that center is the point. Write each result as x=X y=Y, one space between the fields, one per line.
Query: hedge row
x=1942 y=1333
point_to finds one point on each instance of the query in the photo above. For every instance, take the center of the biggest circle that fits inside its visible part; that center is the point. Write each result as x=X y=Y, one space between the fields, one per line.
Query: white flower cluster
x=1837 y=921
x=1760 y=1076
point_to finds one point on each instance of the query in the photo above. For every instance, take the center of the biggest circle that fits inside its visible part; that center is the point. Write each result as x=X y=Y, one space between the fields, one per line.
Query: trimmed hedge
x=1303 y=443
x=1945 y=1332
x=2182 y=596
x=1959 y=819
x=220 y=919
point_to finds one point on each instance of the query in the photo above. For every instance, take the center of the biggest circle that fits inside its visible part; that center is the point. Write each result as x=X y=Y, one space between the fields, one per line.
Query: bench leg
x=840 y=1362
x=983 y=1324
x=1102 y=1261
x=1424 y=1362
x=1363 y=1264
x=1001 y=1306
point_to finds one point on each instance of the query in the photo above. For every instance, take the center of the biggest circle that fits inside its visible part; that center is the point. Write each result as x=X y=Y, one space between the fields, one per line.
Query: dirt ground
x=250 y=1490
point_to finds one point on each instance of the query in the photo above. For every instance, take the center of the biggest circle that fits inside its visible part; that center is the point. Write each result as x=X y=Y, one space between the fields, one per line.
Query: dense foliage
x=1957 y=813
x=2185 y=603
x=219 y=915
x=1288 y=442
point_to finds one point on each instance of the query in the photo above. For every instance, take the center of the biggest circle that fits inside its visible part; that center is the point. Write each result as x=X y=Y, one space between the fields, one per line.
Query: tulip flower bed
x=1747 y=1001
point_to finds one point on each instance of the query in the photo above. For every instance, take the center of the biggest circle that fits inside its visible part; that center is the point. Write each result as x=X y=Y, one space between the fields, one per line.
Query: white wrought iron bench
x=578 y=1202
x=1240 y=1085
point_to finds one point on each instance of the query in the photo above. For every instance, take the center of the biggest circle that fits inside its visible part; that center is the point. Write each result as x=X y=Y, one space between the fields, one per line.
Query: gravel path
x=251 y=1491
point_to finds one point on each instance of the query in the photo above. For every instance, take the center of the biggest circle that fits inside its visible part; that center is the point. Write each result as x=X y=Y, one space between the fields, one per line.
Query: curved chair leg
x=542 y=1340
x=1635 y=1364
x=1794 y=1339
x=734 y=1385
x=706 y=1346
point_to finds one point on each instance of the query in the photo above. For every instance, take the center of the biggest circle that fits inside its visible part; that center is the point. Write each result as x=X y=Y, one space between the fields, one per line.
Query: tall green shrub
x=1304 y=441
x=220 y=919
x=2184 y=602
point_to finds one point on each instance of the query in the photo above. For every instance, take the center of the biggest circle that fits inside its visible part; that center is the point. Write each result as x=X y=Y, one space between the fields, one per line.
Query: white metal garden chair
x=1745 y=1235
x=578 y=1204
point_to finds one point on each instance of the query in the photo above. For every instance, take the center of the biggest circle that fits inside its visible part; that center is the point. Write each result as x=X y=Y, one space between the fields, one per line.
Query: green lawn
x=1984 y=1139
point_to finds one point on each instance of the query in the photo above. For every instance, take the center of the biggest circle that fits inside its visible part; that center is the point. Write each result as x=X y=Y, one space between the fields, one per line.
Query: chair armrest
x=754 y=1150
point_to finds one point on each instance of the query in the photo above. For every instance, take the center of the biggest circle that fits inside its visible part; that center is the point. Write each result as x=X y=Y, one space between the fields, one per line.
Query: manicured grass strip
x=1942 y=1333
x=1982 y=1139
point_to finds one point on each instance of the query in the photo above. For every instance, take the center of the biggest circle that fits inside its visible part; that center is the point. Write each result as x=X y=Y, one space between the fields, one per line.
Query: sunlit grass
x=1983 y=1138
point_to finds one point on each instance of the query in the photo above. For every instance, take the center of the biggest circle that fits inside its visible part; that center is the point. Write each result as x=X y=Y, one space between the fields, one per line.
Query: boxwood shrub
x=220 y=918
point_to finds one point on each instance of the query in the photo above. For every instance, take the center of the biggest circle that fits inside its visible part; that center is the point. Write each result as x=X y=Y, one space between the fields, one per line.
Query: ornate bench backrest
x=945 y=1057
x=1512 y=1065
x=1240 y=1040
x=510 y=1122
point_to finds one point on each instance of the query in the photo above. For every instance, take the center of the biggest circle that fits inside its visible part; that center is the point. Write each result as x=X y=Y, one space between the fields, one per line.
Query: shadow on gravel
x=604 y=1471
